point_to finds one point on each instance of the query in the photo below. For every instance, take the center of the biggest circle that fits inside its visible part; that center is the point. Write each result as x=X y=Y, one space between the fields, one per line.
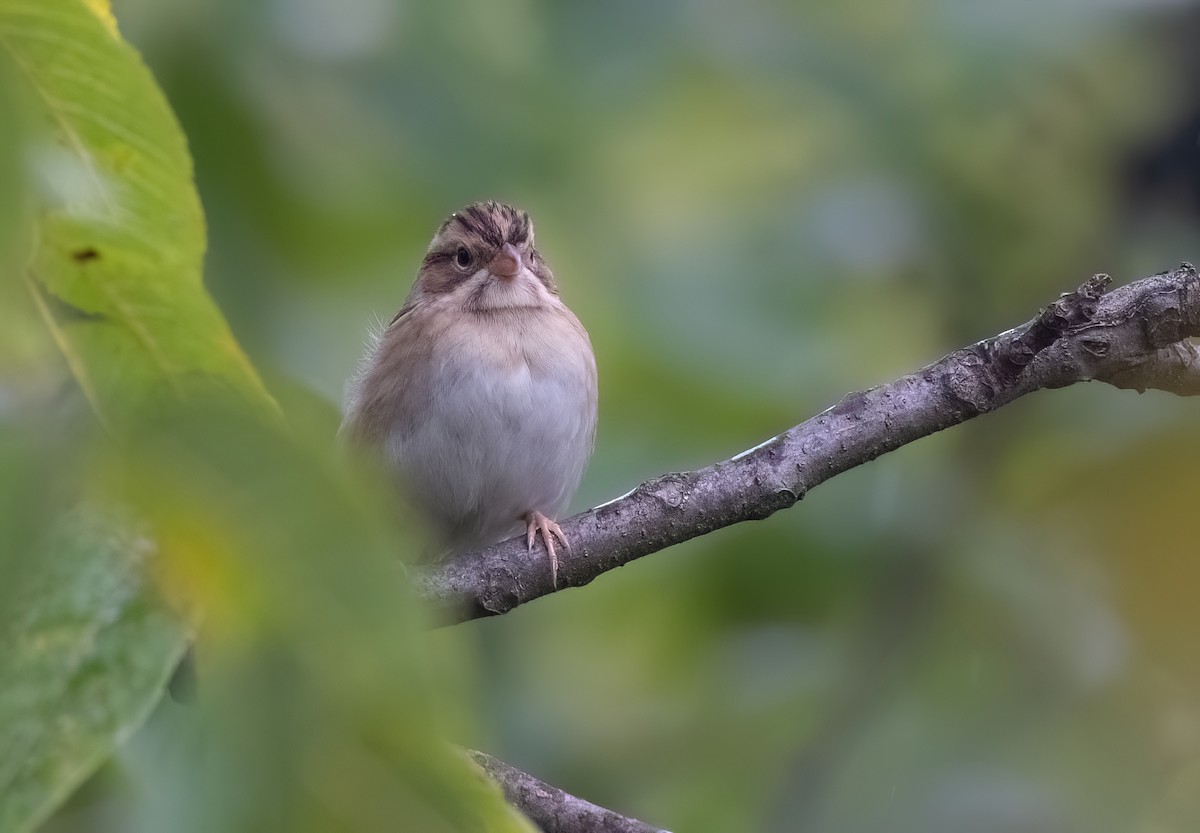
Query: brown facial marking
x=518 y=229
x=483 y=228
x=437 y=257
x=539 y=267
x=441 y=275
x=479 y=220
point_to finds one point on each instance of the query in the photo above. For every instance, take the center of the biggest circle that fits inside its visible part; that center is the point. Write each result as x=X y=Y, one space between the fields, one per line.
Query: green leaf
x=313 y=701
x=103 y=10
x=85 y=648
x=117 y=272
x=13 y=185
x=14 y=225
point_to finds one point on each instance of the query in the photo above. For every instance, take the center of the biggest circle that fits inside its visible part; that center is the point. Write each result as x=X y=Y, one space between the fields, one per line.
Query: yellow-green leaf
x=117 y=272
x=103 y=10
x=314 y=696
x=14 y=206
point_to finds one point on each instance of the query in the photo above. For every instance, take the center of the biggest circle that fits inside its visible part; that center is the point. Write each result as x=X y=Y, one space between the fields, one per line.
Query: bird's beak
x=507 y=262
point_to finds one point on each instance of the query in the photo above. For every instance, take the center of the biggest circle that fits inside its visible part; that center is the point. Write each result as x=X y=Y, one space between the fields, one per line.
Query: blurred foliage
x=87 y=648
x=314 y=700
x=295 y=733
x=754 y=207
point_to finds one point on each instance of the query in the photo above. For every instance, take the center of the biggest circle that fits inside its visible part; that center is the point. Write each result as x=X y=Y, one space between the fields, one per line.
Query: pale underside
x=485 y=416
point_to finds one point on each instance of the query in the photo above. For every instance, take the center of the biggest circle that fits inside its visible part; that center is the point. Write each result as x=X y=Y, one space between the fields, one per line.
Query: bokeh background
x=756 y=207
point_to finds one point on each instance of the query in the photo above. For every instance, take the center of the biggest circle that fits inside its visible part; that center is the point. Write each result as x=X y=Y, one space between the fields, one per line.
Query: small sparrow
x=481 y=393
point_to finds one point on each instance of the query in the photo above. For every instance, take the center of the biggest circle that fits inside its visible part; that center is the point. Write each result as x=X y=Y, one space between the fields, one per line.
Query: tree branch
x=1133 y=337
x=551 y=809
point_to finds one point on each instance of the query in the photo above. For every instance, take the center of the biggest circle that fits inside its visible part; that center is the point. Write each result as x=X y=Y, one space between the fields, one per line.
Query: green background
x=756 y=207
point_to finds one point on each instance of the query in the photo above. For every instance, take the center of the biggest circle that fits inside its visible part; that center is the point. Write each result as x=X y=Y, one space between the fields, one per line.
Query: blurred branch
x=1133 y=337
x=551 y=809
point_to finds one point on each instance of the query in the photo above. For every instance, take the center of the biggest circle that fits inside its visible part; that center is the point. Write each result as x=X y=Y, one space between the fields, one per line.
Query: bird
x=480 y=395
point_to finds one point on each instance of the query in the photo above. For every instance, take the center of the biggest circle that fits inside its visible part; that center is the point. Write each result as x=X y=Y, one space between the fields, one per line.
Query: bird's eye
x=463 y=257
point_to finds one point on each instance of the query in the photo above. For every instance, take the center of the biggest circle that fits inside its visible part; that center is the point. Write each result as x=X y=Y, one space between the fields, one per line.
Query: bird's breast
x=517 y=375
x=484 y=417
x=538 y=342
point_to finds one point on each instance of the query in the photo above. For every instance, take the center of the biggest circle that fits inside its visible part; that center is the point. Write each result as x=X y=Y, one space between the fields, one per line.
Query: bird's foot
x=549 y=530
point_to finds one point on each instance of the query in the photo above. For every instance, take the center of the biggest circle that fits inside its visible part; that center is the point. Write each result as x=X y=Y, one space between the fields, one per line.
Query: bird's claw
x=549 y=530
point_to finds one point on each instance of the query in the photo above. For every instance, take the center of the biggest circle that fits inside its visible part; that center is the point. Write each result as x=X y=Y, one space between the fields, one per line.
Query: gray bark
x=553 y=810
